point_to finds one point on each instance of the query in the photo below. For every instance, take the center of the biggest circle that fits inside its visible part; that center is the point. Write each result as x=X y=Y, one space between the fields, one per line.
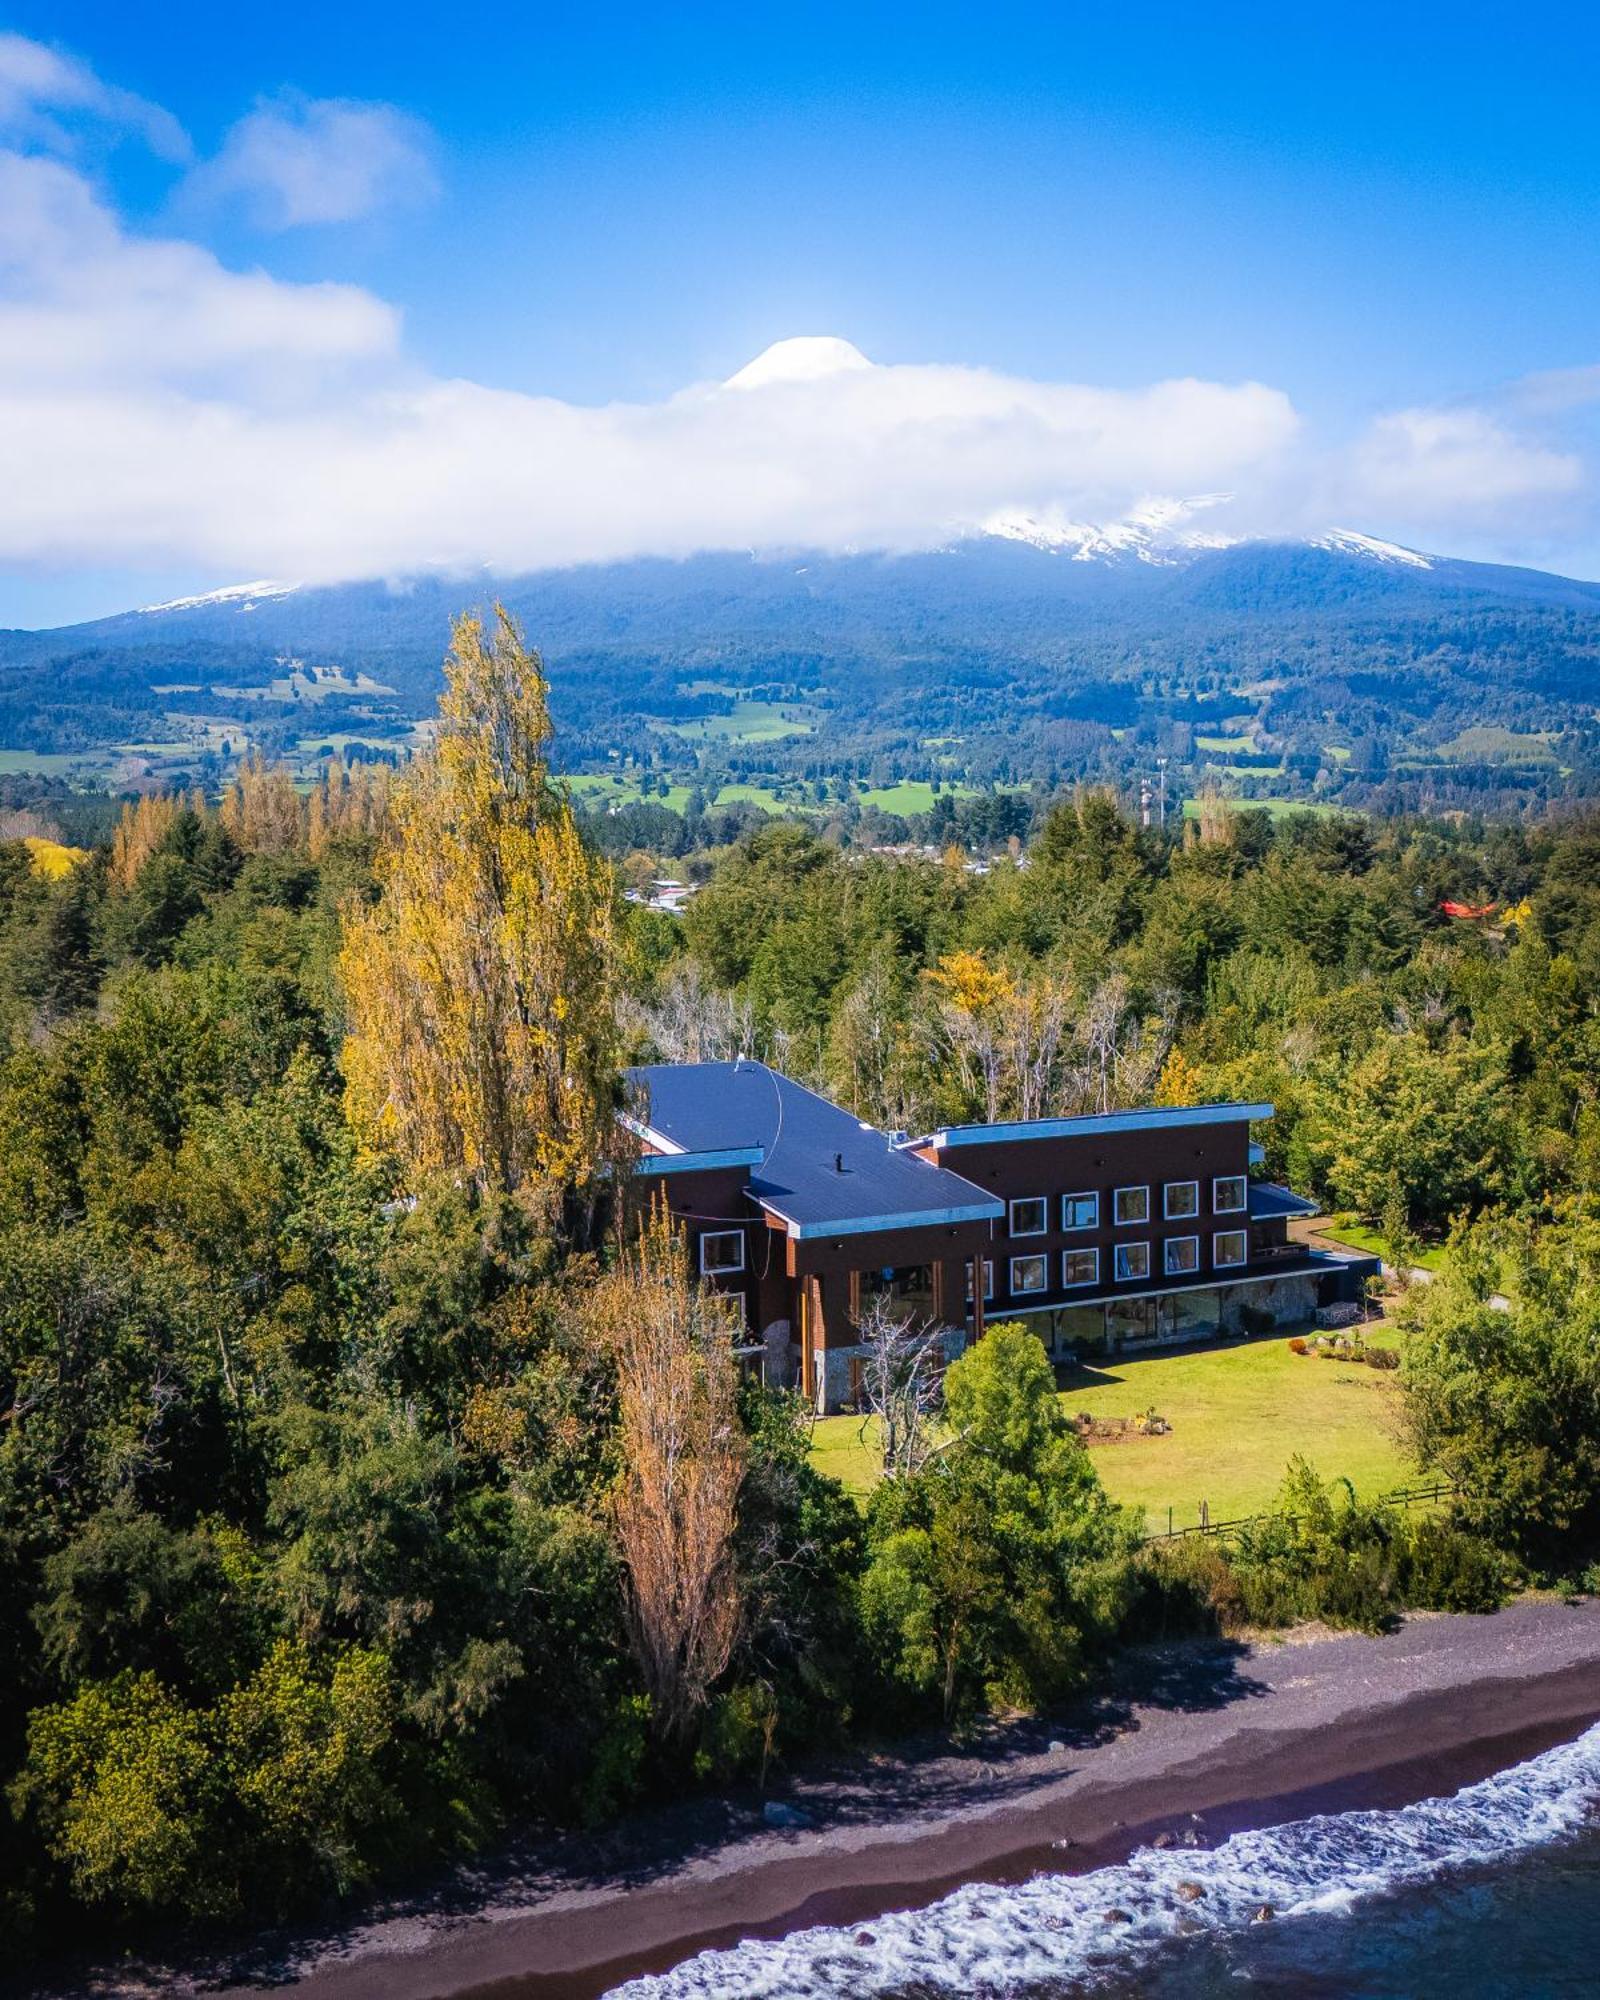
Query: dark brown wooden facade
x=1101 y=1232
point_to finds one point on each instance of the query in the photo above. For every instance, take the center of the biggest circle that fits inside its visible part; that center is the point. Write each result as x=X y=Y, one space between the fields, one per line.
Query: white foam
x=988 y=1939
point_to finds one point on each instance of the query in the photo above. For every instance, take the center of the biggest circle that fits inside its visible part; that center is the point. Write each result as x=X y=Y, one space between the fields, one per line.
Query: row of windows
x=1030 y=1213
x=722 y=1250
x=1130 y=1263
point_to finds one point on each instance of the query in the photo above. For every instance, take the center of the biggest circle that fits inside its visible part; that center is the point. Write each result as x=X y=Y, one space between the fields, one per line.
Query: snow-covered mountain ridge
x=1162 y=534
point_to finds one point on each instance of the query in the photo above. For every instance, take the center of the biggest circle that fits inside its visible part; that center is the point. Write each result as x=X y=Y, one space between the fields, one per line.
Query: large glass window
x=1129 y=1205
x=1030 y=1215
x=907 y=1287
x=1080 y=1267
x=1181 y=1255
x=1030 y=1274
x=1181 y=1199
x=1080 y=1211
x=1230 y=1246
x=1229 y=1194
x=721 y=1250
x=1133 y=1262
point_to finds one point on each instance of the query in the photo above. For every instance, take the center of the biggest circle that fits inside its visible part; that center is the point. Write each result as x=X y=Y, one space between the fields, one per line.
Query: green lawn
x=1356 y=1236
x=1238 y=1414
x=1224 y=743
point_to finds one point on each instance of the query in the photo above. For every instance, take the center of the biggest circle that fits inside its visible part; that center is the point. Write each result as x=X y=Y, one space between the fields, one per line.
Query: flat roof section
x=1160 y=1118
x=1268 y=1201
x=821 y=1171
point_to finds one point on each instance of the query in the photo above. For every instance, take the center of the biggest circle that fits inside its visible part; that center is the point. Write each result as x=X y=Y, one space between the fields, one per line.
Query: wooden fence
x=1403 y=1496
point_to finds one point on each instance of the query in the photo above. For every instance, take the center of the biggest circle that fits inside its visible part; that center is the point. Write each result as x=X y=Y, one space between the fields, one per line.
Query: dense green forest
x=332 y=1520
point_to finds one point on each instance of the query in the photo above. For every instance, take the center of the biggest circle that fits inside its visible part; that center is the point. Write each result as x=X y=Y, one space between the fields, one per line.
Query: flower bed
x=1345 y=1347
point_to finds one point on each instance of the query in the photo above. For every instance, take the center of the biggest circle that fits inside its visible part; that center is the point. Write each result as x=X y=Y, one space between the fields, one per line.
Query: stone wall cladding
x=833 y=1369
x=1291 y=1302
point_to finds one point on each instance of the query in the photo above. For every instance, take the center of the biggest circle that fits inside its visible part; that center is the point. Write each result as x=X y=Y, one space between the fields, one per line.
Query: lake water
x=1494 y=1891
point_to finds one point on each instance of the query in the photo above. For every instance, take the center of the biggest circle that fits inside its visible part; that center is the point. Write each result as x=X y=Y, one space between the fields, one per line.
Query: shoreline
x=1231 y=1805
x=1233 y=1734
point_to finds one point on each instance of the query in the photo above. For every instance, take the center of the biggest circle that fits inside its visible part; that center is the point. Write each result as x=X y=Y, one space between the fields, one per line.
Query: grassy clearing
x=1238 y=1414
x=309 y=684
x=1274 y=808
x=1224 y=743
x=755 y=795
x=750 y=722
x=46 y=763
x=1488 y=742
x=1357 y=1236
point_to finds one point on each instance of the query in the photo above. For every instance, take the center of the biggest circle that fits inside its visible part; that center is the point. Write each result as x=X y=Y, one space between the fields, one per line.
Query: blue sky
x=1383 y=217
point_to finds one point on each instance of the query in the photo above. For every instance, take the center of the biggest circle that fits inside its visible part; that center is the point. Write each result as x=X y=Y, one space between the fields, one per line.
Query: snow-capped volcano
x=1346 y=542
x=243 y=596
x=808 y=357
x=1164 y=533
x=1156 y=531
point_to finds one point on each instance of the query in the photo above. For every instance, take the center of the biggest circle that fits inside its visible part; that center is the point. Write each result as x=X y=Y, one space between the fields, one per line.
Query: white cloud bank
x=157 y=408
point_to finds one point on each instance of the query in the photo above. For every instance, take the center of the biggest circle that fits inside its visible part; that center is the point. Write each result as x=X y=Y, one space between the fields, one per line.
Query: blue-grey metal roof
x=821 y=1171
x=1268 y=1201
x=1152 y=1118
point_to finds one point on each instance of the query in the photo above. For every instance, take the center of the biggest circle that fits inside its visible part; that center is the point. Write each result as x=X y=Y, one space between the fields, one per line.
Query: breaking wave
x=1082 y=1930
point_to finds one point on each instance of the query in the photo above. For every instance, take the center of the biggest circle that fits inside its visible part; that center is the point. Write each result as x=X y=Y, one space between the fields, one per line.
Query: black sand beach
x=1238 y=1735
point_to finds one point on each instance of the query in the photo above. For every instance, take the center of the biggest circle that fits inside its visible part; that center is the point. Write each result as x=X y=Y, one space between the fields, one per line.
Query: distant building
x=1106 y=1233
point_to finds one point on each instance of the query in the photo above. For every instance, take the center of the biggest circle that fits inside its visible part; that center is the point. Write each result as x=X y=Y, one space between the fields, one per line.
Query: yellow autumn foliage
x=480 y=985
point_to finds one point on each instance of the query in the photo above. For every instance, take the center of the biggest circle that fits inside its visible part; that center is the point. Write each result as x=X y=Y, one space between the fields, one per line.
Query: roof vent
x=838 y=1163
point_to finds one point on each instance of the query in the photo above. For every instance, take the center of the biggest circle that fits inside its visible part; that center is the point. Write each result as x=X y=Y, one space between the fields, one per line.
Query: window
x=1133 y=1261
x=1029 y=1274
x=1230 y=1246
x=1180 y=1199
x=1080 y=1267
x=1030 y=1215
x=988 y=1279
x=1229 y=1195
x=1182 y=1254
x=721 y=1250
x=1080 y=1211
x=1130 y=1205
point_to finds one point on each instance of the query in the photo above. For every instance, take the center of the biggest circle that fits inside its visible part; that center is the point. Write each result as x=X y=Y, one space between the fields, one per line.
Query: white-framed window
x=1230 y=1246
x=1133 y=1262
x=1230 y=1194
x=988 y=1280
x=1030 y=1274
x=721 y=1250
x=1180 y=1200
x=1080 y=1211
x=1079 y=1267
x=1181 y=1254
x=1130 y=1205
x=1030 y=1215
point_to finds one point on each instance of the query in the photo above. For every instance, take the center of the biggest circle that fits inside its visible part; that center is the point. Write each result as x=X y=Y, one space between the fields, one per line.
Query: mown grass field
x=1238 y=1414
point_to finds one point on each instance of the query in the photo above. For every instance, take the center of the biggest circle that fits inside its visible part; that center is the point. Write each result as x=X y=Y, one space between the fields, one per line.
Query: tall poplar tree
x=480 y=985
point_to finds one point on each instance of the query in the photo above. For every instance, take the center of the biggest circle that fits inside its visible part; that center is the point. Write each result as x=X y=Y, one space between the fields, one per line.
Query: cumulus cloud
x=296 y=160
x=160 y=409
x=40 y=87
x=172 y=409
